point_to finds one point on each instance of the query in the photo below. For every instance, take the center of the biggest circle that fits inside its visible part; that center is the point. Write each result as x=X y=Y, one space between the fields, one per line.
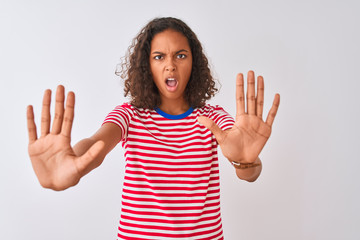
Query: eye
x=181 y=56
x=158 y=57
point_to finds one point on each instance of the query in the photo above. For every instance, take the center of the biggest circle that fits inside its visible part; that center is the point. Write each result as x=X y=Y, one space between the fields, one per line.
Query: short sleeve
x=121 y=116
x=223 y=119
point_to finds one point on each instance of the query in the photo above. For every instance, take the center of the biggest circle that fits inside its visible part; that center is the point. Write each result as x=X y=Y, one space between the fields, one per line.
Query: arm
x=109 y=134
x=243 y=143
x=56 y=163
x=250 y=174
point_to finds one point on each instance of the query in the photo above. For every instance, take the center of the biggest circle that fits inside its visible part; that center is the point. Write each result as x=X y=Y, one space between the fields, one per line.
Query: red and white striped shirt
x=171 y=186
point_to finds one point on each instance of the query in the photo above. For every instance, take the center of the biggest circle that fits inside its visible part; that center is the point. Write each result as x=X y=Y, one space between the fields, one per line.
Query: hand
x=54 y=160
x=245 y=140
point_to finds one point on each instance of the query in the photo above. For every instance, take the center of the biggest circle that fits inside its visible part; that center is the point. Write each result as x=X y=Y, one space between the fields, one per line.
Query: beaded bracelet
x=244 y=165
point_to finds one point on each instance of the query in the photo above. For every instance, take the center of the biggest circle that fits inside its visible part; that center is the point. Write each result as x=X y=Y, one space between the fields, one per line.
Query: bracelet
x=244 y=165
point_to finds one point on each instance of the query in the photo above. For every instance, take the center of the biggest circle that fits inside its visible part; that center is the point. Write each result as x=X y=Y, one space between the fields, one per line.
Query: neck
x=174 y=106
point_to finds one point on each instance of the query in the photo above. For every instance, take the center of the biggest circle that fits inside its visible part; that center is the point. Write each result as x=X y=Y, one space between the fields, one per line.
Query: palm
x=52 y=156
x=245 y=140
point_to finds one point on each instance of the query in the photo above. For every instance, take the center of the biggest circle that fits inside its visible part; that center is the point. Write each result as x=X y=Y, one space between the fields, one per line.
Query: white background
x=308 y=51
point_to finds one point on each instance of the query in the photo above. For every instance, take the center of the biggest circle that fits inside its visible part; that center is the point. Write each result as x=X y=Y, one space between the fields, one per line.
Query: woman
x=170 y=136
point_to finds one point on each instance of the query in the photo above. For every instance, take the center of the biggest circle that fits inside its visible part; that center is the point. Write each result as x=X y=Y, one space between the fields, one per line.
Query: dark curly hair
x=135 y=68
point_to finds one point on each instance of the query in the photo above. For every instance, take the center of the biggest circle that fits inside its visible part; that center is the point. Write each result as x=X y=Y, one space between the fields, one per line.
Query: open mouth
x=171 y=82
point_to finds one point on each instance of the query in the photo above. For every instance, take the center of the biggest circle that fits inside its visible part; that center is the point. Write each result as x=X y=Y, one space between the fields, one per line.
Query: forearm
x=82 y=147
x=250 y=174
x=109 y=134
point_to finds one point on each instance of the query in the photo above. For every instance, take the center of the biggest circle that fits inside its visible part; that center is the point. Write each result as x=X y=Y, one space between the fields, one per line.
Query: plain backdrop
x=308 y=51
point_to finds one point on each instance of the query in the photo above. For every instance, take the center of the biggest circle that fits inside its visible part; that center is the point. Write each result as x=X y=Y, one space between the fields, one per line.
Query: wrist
x=239 y=165
x=250 y=174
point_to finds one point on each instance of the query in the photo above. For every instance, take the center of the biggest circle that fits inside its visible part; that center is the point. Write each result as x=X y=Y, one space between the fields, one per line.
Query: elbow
x=53 y=187
x=56 y=186
x=249 y=175
x=251 y=180
x=248 y=179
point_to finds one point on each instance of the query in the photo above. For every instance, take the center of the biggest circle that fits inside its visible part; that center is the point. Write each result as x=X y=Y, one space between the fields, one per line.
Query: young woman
x=170 y=136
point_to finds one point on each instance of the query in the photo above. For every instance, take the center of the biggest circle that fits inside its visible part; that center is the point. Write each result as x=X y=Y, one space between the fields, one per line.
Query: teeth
x=171 y=79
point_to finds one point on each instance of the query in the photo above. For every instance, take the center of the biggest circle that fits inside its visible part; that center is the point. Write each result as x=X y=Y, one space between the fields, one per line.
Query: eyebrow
x=182 y=50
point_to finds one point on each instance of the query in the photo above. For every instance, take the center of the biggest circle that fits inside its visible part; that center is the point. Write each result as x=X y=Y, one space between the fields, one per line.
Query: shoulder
x=216 y=113
x=208 y=109
x=121 y=112
x=127 y=107
x=131 y=112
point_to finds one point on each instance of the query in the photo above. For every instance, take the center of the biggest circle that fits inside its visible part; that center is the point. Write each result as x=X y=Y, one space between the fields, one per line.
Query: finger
x=45 y=113
x=31 y=124
x=59 y=110
x=250 y=93
x=88 y=157
x=260 y=97
x=272 y=113
x=68 y=115
x=240 y=101
x=209 y=124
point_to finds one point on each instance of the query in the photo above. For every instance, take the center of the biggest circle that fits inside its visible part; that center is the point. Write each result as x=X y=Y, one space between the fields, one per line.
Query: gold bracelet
x=244 y=165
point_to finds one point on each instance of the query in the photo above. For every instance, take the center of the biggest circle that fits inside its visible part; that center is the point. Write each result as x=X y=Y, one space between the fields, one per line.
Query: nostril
x=170 y=68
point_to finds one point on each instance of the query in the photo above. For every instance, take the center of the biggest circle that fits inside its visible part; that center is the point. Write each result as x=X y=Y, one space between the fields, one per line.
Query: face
x=170 y=64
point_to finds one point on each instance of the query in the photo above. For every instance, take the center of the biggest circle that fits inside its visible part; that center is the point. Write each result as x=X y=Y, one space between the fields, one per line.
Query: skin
x=245 y=140
x=171 y=57
x=58 y=165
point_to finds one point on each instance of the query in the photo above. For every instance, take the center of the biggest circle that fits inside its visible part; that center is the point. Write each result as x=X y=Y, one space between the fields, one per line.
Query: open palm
x=245 y=140
x=53 y=159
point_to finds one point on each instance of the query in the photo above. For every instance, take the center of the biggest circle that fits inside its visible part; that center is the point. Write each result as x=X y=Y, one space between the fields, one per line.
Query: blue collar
x=174 y=117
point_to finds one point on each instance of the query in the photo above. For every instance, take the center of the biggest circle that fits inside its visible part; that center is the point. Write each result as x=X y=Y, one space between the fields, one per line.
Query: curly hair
x=135 y=68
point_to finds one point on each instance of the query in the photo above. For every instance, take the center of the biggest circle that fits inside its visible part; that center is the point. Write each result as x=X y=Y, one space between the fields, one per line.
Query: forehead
x=169 y=40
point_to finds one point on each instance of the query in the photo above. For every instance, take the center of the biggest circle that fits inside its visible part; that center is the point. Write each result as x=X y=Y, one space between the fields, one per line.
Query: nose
x=170 y=66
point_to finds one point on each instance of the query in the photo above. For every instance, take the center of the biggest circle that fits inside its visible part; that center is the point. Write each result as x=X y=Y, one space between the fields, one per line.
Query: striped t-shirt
x=171 y=186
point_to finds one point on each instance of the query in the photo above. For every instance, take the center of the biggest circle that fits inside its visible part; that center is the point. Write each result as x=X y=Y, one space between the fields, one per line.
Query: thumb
x=211 y=125
x=88 y=158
